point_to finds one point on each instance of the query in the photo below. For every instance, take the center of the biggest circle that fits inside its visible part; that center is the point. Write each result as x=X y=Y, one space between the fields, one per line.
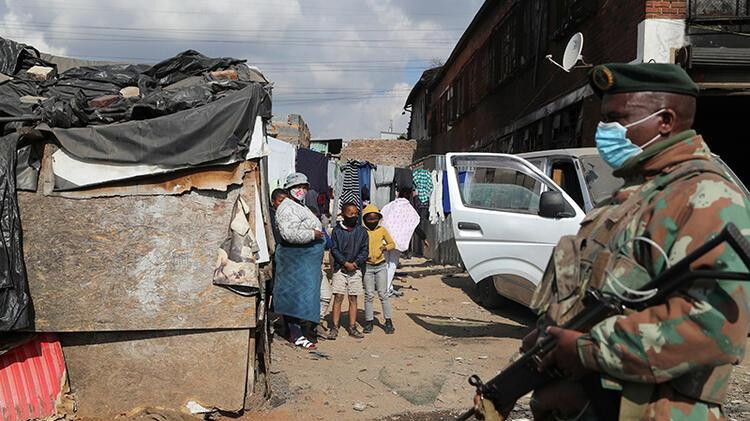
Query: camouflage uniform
x=671 y=361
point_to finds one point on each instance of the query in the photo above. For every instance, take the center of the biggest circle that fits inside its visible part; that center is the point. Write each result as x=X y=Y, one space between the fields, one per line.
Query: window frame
x=503 y=163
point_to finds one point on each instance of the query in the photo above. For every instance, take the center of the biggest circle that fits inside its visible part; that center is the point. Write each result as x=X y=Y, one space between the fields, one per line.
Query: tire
x=488 y=297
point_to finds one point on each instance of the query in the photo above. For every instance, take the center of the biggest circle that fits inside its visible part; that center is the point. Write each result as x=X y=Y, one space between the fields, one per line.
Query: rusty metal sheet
x=129 y=263
x=218 y=178
x=114 y=372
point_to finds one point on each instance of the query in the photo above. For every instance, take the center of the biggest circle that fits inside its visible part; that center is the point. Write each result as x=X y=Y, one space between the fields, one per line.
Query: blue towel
x=296 y=290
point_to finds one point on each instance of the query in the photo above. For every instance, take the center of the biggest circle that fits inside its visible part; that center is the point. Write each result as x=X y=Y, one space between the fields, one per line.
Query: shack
x=137 y=252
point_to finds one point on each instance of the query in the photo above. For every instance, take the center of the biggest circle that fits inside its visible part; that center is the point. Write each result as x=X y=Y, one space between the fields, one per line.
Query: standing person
x=297 y=262
x=401 y=221
x=376 y=274
x=349 y=251
x=671 y=360
x=325 y=289
x=277 y=196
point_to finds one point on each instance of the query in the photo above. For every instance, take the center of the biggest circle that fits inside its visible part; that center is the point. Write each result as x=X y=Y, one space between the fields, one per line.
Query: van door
x=495 y=213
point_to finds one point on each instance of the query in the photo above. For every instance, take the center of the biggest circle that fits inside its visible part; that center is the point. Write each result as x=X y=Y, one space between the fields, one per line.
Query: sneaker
x=354 y=333
x=333 y=333
x=368 y=327
x=389 y=329
x=397 y=293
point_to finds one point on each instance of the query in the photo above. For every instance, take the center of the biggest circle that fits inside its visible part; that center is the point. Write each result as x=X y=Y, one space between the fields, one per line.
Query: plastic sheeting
x=221 y=129
x=15 y=301
x=209 y=117
x=16 y=57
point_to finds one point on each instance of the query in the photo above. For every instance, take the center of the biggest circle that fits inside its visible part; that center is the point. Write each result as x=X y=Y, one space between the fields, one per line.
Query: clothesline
x=334 y=182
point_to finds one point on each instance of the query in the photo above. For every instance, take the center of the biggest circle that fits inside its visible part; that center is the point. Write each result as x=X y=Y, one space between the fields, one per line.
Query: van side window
x=506 y=187
x=563 y=173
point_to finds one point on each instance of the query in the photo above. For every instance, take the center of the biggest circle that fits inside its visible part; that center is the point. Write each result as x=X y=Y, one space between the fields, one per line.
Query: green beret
x=617 y=78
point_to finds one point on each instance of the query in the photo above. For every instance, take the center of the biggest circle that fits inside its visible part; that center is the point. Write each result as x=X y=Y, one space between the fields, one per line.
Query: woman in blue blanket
x=298 y=263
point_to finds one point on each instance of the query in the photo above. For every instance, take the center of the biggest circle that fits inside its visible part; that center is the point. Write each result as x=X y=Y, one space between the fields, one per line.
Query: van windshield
x=599 y=179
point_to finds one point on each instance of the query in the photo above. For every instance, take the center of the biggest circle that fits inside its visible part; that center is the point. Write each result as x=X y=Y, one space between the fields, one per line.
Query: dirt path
x=419 y=373
x=442 y=336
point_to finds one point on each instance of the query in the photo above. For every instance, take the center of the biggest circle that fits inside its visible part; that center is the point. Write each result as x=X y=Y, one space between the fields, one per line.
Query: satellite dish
x=572 y=53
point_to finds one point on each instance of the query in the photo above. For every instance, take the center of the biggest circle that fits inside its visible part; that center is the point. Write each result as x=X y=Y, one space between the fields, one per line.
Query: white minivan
x=509 y=211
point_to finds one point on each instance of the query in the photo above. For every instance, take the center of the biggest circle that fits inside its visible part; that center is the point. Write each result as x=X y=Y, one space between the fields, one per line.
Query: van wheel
x=487 y=295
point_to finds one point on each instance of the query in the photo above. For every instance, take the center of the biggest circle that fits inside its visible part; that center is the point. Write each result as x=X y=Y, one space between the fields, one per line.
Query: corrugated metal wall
x=30 y=379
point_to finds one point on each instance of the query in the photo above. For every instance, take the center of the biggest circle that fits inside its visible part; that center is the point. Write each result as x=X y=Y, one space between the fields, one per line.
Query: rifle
x=523 y=376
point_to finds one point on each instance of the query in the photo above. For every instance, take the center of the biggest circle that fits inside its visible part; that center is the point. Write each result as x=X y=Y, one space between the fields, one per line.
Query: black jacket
x=349 y=246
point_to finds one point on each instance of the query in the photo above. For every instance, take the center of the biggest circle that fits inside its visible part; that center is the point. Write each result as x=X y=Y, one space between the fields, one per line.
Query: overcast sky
x=345 y=66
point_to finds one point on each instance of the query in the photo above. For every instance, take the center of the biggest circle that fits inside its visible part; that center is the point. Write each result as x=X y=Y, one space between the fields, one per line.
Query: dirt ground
x=420 y=373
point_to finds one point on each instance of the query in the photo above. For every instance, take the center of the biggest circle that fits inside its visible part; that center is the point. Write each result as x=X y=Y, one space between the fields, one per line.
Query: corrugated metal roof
x=30 y=379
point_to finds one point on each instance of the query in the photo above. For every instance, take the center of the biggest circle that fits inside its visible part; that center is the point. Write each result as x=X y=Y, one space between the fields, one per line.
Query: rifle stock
x=523 y=376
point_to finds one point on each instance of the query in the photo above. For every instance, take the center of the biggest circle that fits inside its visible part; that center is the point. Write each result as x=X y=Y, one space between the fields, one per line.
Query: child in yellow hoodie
x=376 y=274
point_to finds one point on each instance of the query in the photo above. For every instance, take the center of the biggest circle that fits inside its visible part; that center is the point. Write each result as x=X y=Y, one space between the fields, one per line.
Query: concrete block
x=40 y=72
x=29 y=99
x=130 y=91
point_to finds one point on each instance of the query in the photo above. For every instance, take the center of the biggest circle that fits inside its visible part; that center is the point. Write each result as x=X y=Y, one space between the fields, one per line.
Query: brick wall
x=396 y=153
x=611 y=35
x=294 y=130
x=666 y=9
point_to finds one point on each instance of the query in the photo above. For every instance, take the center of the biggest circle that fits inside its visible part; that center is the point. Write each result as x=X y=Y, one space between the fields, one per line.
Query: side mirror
x=552 y=205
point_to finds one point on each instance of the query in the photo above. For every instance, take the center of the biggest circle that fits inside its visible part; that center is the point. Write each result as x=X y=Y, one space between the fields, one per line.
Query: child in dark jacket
x=350 y=250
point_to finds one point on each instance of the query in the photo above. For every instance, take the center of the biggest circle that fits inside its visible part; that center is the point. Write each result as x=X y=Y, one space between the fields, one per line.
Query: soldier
x=670 y=361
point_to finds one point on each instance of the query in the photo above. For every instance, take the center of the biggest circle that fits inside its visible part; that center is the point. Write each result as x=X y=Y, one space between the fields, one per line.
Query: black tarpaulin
x=11 y=92
x=186 y=64
x=15 y=301
x=16 y=57
x=218 y=130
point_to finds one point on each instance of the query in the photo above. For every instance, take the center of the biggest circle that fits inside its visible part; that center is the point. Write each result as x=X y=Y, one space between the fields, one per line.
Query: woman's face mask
x=298 y=193
x=614 y=146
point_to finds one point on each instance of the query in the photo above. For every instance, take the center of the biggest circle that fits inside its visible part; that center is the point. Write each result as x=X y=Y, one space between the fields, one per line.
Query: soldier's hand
x=565 y=355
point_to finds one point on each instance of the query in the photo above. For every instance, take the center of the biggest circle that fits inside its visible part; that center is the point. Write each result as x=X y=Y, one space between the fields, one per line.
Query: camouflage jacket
x=674 y=359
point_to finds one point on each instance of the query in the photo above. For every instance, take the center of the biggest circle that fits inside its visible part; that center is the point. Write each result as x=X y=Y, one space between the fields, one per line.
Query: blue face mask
x=613 y=144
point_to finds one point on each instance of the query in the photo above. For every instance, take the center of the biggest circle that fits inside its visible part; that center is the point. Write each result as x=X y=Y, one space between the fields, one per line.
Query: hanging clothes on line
x=423 y=186
x=281 y=162
x=446 y=194
x=315 y=166
x=382 y=185
x=436 y=198
x=333 y=172
x=402 y=178
x=365 y=174
x=350 y=188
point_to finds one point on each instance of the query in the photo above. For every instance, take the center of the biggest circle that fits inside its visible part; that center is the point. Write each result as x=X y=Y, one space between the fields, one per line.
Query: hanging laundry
x=350 y=188
x=423 y=185
x=380 y=195
x=333 y=172
x=365 y=173
x=315 y=166
x=436 y=198
x=446 y=194
x=402 y=178
x=281 y=162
